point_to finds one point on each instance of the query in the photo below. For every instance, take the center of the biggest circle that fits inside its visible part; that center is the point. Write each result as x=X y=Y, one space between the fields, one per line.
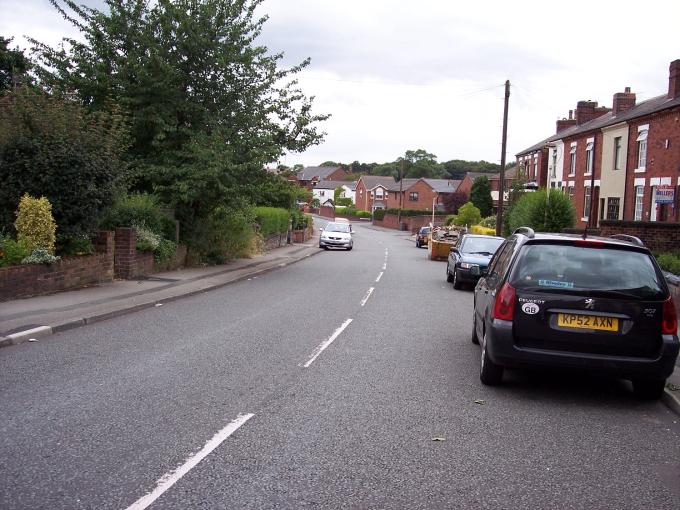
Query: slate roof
x=407 y=183
x=308 y=173
x=510 y=173
x=442 y=185
x=335 y=184
x=653 y=105
x=372 y=181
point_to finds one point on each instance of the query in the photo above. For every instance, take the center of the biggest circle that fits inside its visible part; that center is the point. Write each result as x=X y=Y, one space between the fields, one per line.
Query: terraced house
x=629 y=155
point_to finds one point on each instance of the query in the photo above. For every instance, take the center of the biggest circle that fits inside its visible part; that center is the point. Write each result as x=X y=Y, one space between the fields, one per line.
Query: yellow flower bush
x=35 y=224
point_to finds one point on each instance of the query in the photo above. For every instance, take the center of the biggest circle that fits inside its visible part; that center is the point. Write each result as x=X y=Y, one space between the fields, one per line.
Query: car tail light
x=504 y=307
x=592 y=243
x=669 y=322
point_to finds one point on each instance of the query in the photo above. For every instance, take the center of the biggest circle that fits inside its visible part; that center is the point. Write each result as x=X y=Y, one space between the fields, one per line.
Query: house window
x=413 y=196
x=586 y=202
x=617 y=153
x=322 y=193
x=589 y=158
x=642 y=148
x=570 y=192
x=572 y=160
x=613 y=204
x=639 y=195
x=379 y=193
x=535 y=172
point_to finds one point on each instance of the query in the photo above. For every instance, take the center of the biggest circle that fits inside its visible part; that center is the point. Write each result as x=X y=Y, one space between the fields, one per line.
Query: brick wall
x=657 y=236
x=413 y=223
x=275 y=241
x=125 y=260
x=327 y=212
x=69 y=273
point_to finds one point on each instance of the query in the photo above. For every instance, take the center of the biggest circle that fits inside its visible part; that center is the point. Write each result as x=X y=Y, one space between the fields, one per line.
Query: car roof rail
x=630 y=239
x=527 y=231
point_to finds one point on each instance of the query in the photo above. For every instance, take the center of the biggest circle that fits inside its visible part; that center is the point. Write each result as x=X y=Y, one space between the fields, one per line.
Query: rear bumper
x=503 y=351
x=335 y=244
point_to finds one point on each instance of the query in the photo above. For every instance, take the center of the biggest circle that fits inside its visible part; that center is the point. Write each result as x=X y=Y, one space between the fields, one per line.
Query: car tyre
x=456 y=280
x=489 y=373
x=474 y=338
x=648 y=389
x=449 y=278
x=349 y=248
x=417 y=244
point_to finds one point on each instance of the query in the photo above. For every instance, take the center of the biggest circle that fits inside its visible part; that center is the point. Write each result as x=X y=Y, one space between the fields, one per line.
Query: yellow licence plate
x=571 y=320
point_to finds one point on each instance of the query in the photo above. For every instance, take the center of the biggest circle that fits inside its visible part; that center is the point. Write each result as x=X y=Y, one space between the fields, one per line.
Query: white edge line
x=379 y=276
x=384 y=266
x=368 y=295
x=323 y=345
x=169 y=479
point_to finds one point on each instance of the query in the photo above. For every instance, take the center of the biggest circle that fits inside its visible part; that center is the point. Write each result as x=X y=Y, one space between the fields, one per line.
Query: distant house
x=309 y=176
x=378 y=192
x=323 y=190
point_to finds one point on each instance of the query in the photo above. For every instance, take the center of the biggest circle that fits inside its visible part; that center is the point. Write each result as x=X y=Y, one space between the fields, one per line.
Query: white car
x=336 y=235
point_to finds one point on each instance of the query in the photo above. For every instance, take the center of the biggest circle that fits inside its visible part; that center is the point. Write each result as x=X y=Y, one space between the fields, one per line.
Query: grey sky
x=402 y=75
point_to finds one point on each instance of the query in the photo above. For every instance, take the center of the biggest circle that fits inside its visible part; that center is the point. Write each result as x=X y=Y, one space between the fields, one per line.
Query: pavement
x=28 y=319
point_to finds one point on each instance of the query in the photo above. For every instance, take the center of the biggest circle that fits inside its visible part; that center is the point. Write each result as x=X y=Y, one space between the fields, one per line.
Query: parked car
x=576 y=302
x=469 y=258
x=421 y=236
x=345 y=221
x=336 y=235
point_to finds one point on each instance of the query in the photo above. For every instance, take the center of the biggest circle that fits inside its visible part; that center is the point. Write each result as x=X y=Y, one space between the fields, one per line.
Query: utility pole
x=592 y=222
x=501 y=183
x=401 y=187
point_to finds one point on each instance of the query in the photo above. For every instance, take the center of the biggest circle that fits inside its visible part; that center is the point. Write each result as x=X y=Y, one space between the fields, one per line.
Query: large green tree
x=542 y=211
x=208 y=105
x=480 y=195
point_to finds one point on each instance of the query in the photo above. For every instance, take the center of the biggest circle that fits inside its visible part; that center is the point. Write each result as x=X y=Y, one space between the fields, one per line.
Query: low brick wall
x=408 y=223
x=657 y=236
x=276 y=241
x=69 y=273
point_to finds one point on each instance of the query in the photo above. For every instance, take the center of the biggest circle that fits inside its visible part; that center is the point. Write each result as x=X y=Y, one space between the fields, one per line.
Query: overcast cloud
x=429 y=74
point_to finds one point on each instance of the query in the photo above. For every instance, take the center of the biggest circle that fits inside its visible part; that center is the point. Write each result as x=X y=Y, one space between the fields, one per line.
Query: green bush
x=535 y=211
x=12 y=252
x=224 y=235
x=450 y=220
x=35 y=224
x=669 y=262
x=40 y=255
x=300 y=221
x=488 y=222
x=379 y=214
x=137 y=209
x=70 y=245
x=361 y=214
x=272 y=220
x=344 y=201
x=468 y=215
x=165 y=250
x=147 y=240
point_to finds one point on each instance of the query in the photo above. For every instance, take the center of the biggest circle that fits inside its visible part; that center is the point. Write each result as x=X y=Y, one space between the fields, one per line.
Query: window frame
x=638 y=203
x=617 y=153
x=413 y=196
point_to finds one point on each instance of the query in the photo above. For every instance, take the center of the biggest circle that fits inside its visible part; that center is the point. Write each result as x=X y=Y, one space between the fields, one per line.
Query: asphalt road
x=237 y=398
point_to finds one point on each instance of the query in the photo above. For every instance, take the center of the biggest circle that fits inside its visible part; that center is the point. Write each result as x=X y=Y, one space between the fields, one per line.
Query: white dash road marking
x=169 y=479
x=323 y=345
x=368 y=295
x=379 y=276
x=384 y=266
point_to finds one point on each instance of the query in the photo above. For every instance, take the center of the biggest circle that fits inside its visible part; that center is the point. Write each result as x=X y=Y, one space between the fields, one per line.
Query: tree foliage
x=208 y=106
x=453 y=201
x=55 y=148
x=543 y=212
x=14 y=66
x=480 y=195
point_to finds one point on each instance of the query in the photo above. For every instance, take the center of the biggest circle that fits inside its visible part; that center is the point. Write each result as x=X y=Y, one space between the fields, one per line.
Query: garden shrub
x=669 y=262
x=12 y=252
x=137 y=209
x=165 y=250
x=147 y=240
x=225 y=234
x=362 y=214
x=533 y=210
x=379 y=214
x=271 y=220
x=468 y=215
x=69 y=245
x=488 y=222
x=479 y=229
x=40 y=255
x=450 y=220
x=35 y=224
x=300 y=221
x=415 y=212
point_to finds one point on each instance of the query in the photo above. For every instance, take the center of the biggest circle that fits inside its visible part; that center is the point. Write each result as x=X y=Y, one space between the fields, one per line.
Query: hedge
x=272 y=220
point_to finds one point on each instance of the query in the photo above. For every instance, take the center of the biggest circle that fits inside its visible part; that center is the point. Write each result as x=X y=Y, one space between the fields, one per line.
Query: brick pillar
x=104 y=245
x=125 y=253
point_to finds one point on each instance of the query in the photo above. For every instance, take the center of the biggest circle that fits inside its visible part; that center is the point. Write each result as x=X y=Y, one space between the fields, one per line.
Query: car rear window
x=424 y=230
x=484 y=245
x=569 y=268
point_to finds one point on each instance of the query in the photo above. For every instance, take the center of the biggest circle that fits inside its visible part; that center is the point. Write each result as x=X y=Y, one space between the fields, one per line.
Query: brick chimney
x=563 y=124
x=588 y=110
x=623 y=101
x=674 y=79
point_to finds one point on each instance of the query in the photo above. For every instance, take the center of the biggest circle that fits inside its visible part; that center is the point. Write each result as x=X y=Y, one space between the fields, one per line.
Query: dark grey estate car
x=470 y=257
x=565 y=301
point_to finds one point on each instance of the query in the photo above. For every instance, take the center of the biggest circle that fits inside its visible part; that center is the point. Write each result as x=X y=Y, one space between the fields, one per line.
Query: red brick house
x=378 y=192
x=630 y=154
x=309 y=176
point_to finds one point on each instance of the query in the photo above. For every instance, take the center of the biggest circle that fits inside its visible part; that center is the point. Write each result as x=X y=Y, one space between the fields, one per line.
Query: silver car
x=336 y=235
